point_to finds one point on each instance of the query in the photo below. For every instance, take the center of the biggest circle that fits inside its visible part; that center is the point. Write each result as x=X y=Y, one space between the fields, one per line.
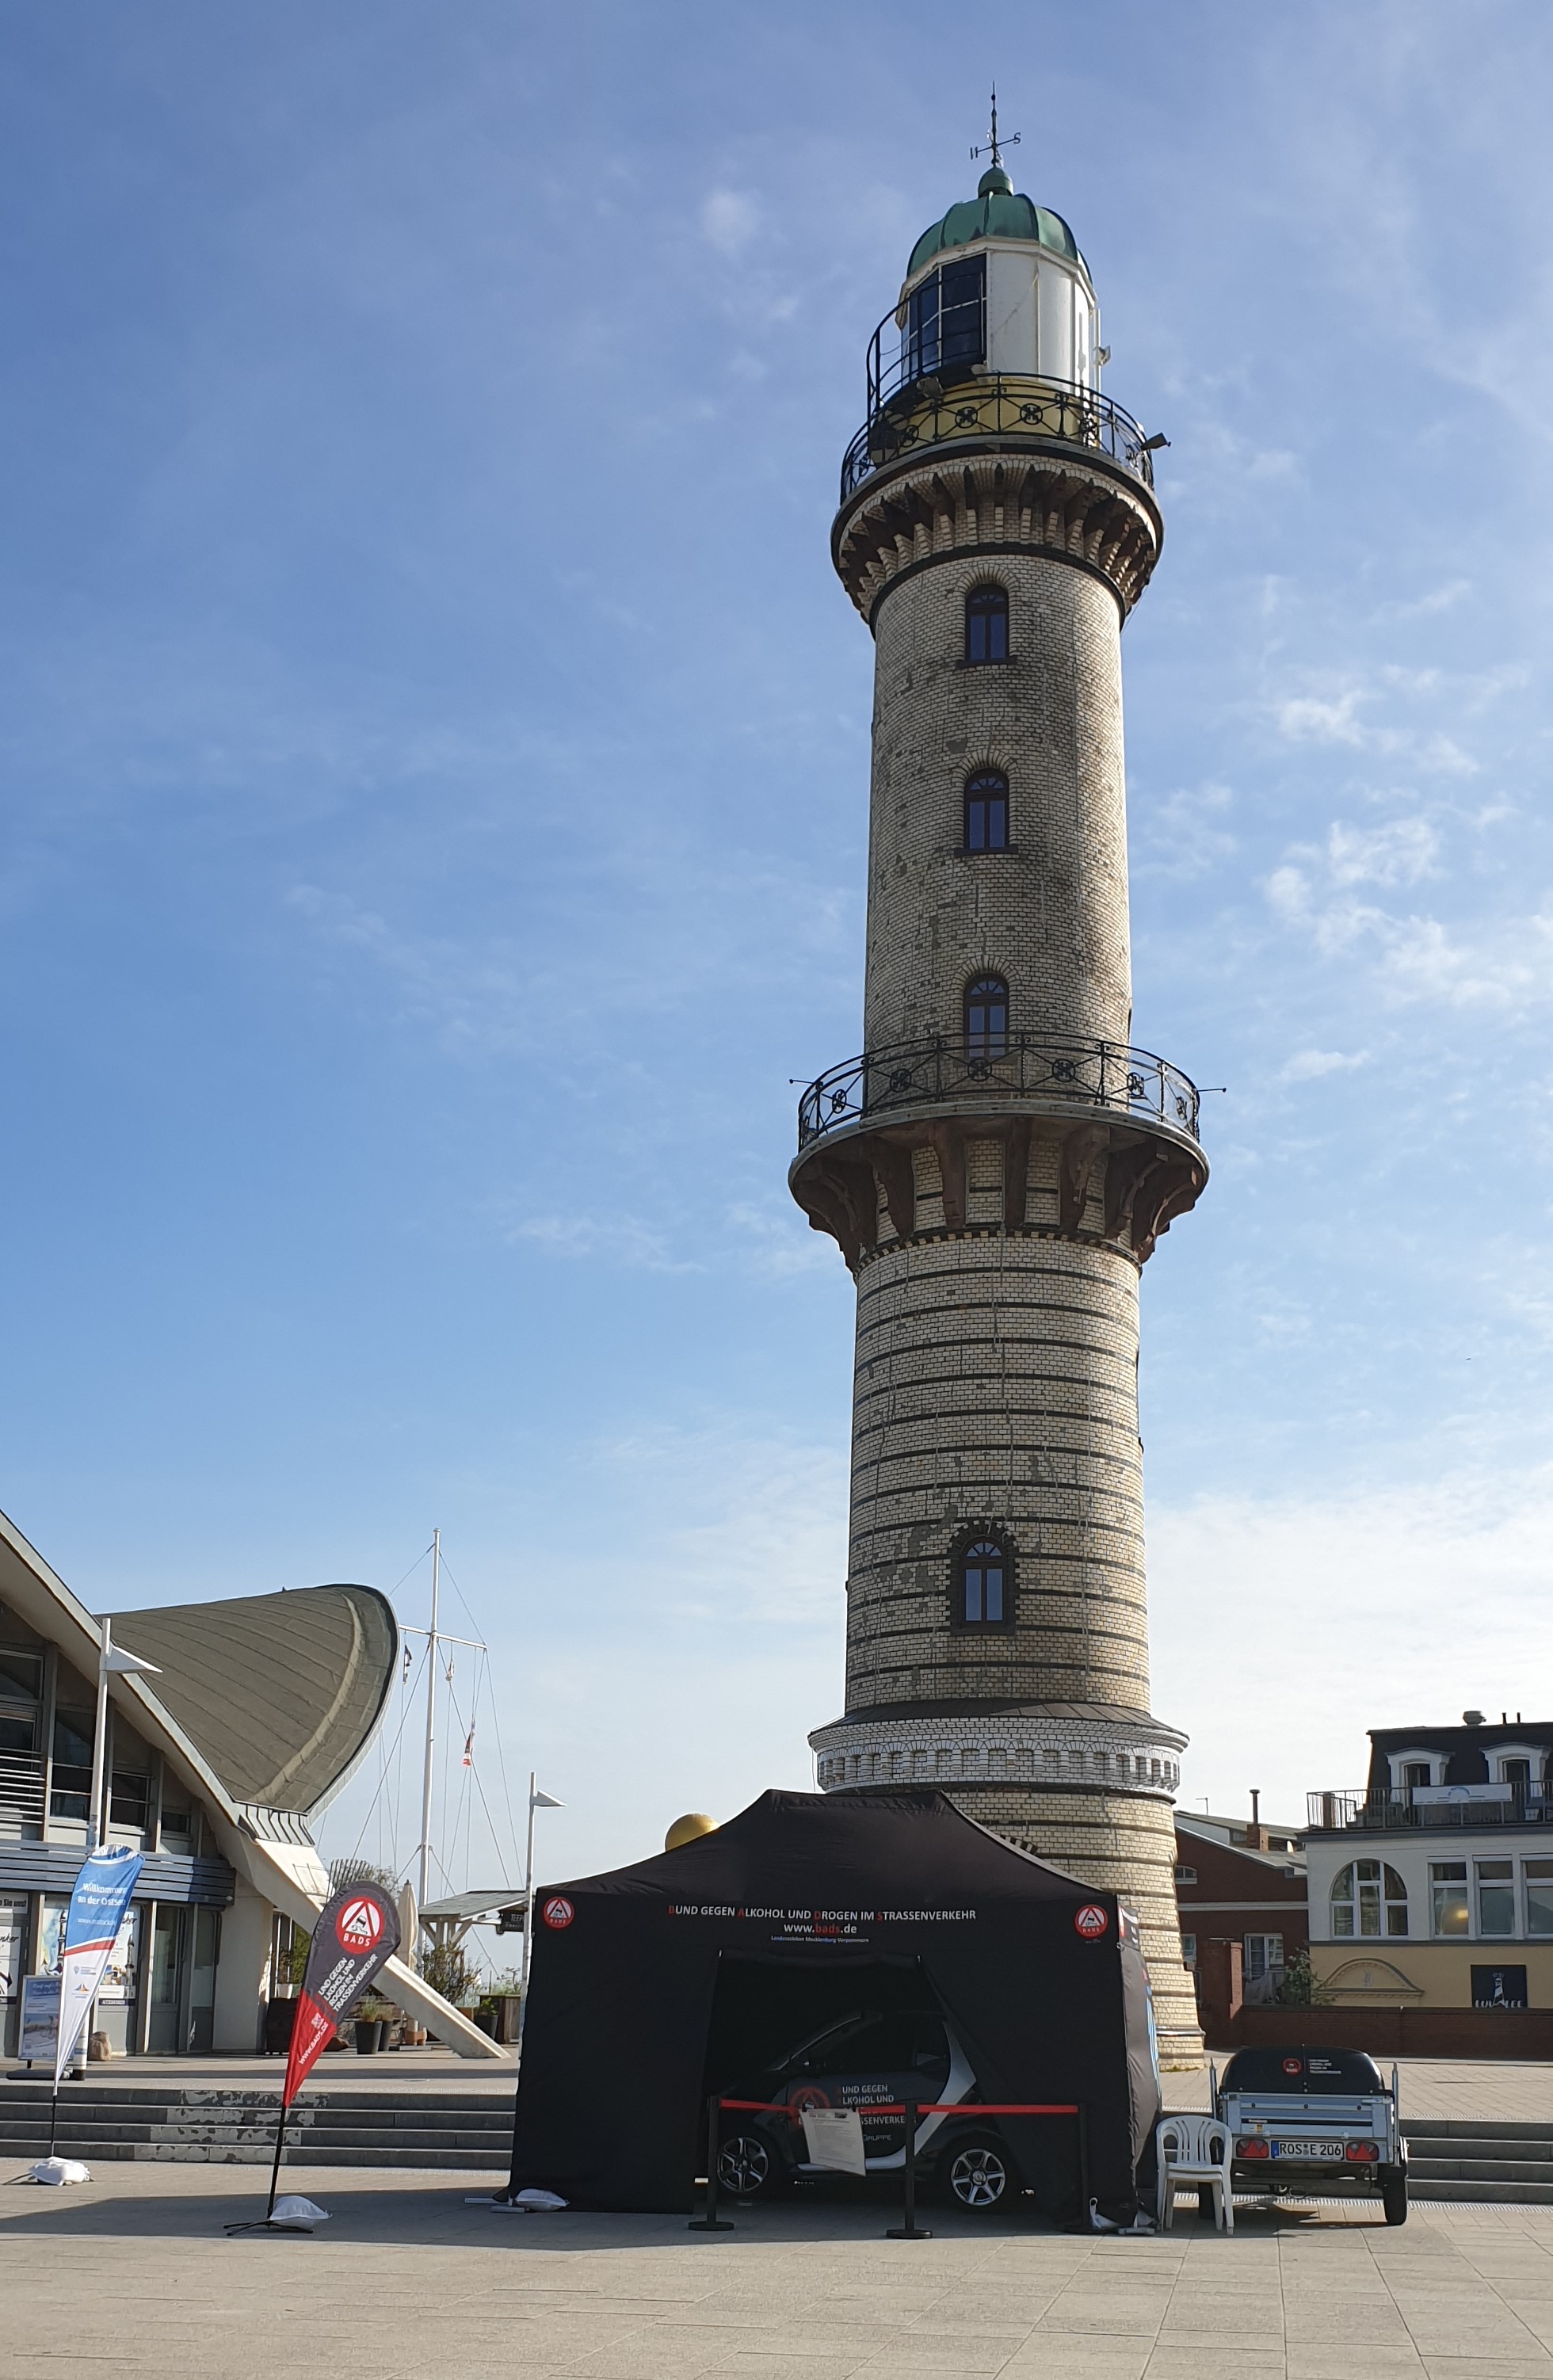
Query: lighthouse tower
x=999 y=1163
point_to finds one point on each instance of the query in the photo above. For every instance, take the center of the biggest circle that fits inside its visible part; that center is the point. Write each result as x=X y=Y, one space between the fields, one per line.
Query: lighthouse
x=999 y=1163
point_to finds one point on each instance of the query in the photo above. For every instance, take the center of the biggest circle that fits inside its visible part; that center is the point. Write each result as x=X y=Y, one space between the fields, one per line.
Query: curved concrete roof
x=280 y=1692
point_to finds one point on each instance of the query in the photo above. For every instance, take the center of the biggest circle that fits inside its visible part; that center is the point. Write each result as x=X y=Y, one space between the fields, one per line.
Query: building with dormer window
x=1431 y=1885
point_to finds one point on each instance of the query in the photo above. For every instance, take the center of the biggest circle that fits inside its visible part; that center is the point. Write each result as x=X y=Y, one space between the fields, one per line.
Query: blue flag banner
x=91 y=1922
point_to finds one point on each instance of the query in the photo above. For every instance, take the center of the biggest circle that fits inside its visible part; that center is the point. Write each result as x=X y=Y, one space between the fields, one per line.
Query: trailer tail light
x=1362 y=2153
x=1252 y=2147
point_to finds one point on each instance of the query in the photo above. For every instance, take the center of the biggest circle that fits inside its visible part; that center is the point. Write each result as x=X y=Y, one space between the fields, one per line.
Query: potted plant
x=372 y=2017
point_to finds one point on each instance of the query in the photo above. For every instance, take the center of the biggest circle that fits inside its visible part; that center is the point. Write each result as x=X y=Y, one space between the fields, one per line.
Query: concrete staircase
x=457 y=2131
x=1470 y=2162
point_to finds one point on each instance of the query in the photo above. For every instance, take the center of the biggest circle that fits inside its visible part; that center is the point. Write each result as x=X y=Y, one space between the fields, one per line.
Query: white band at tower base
x=1001 y=1748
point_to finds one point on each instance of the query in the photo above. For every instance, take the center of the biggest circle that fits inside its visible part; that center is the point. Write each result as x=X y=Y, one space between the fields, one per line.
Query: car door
x=882 y=2063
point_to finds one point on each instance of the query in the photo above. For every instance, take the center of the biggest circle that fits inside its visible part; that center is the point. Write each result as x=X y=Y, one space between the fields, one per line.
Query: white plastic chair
x=1186 y=2147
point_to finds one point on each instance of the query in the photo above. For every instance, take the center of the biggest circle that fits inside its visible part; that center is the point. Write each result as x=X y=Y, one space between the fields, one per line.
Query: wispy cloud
x=730 y=219
x=1187 y=835
x=1309 y=1065
x=618 y=1240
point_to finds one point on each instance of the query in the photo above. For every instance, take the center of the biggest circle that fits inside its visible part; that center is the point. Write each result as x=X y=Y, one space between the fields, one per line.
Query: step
x=213 y=2153
x=1473 y=2129
x=1422 y=2169
x=1483 y=2194
x=1479 y=2145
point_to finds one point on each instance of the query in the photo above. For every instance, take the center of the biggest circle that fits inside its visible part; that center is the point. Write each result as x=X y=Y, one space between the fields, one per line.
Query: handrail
x=929 y=410
x=1009 y=1068
x=1387 y=1806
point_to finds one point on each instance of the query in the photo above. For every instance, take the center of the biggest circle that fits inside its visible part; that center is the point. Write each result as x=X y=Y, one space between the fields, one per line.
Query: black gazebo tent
x=1041 y=1976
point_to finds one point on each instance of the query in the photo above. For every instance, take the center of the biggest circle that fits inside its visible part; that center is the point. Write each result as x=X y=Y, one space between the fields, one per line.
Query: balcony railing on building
x=1385 y=1807
x=1000 y=1068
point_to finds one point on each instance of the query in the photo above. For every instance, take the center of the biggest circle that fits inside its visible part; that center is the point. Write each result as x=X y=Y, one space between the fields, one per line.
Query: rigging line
x=473 y=1770
x=399 y=1583
x=495 y=1729
x=462 y=1597
x=502 y=1767
x=372 y=1803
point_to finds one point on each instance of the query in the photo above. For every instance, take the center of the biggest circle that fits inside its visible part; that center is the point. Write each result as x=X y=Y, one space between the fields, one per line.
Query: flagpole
x=528 y=1895
x=424 y=1894
x=95 y=1828
x=96 y=1833
x=276 y=2168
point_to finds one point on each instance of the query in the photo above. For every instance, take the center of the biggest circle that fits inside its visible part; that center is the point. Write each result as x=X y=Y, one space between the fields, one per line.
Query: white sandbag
x=57 y=2170
x=297 y=2210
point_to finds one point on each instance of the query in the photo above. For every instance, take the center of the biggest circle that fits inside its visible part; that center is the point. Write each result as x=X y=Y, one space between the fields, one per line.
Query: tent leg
x=908 y=2230
x=1085 y=2223
x=708 y=2221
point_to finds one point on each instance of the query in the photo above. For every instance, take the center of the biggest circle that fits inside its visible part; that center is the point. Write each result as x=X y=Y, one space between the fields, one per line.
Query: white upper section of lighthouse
x=1021 y=265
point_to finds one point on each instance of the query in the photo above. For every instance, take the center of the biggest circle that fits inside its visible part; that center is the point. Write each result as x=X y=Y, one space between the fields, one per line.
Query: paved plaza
x=133 y=2274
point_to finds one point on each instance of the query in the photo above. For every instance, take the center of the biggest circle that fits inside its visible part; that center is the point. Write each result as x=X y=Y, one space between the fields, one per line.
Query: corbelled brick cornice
x=1017 y=501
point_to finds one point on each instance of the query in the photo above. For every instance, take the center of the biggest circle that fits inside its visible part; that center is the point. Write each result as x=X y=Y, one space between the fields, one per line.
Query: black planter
x=369 y=2030
x=279 y=2016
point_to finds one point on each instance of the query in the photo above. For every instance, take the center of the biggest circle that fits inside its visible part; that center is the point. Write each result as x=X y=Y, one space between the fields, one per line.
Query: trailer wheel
x=1393 y=2197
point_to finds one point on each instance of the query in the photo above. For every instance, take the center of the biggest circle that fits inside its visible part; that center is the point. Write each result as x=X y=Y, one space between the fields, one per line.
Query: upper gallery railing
x=923 y=410
x=999 y=1067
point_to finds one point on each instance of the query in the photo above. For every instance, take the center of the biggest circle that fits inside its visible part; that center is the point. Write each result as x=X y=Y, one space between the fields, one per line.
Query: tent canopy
x=1041 y=1975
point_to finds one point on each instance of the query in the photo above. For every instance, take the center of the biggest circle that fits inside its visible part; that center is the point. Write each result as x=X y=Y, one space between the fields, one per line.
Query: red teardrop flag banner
x=354 y=1936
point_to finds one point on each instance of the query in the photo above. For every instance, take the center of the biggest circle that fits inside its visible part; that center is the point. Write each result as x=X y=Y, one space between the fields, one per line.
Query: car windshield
x=1345 y=2072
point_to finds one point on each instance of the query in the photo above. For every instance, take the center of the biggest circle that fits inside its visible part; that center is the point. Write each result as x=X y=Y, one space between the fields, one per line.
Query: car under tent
x=659 y=1984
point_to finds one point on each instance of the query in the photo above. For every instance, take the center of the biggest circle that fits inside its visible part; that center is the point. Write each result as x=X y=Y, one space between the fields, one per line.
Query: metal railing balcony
x=1385 y=1807
x=910 y=410
x=21 y=1791
x=1007 y=1070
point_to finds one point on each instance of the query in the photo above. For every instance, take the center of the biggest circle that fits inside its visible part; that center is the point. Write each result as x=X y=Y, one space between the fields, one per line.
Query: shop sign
x=40 y=2019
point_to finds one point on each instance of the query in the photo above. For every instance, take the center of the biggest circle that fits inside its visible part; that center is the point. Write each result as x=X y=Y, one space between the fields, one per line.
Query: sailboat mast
x=424 y=1889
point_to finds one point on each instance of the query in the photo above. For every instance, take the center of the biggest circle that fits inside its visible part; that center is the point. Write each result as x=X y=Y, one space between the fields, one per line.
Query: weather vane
x=994 y=147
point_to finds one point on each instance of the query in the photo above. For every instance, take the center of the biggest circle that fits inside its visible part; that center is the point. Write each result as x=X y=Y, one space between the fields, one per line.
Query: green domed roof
x=996 y=212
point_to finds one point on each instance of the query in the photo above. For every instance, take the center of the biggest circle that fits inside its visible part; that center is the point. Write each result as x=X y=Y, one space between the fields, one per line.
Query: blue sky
x=435 y=776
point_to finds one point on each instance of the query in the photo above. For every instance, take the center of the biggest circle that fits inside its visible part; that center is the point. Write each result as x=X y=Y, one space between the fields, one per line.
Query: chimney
x=1256 y=1833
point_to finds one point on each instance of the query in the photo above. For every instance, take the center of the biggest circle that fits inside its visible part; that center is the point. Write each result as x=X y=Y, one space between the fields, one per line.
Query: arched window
x=983 y=1583
x=986 y=812
x=987 y=624
x=987 y=1018
x=1369 y=1898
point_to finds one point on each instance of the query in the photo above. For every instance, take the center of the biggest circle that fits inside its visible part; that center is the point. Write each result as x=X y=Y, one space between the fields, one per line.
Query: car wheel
x=1393 y=2197
x=976 y=2175
x=745 y=2166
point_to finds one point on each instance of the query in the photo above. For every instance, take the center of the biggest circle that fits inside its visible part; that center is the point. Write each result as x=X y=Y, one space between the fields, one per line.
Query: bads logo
x=359 y=1926
x=1091 y=1920
x=558 y=1913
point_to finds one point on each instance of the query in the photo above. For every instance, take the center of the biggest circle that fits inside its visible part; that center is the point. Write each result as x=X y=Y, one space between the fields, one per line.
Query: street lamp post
x=537 y=1801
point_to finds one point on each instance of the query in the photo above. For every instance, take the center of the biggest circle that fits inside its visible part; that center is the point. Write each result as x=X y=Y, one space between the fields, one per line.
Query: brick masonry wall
x=997 y=1380
x=1051 y=914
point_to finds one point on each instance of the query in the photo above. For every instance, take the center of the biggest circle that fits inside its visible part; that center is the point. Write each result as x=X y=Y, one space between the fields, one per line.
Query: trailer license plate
x=1307 y=2151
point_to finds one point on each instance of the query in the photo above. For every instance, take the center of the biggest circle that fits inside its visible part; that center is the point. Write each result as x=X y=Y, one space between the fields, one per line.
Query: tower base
x=1120 y=1839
